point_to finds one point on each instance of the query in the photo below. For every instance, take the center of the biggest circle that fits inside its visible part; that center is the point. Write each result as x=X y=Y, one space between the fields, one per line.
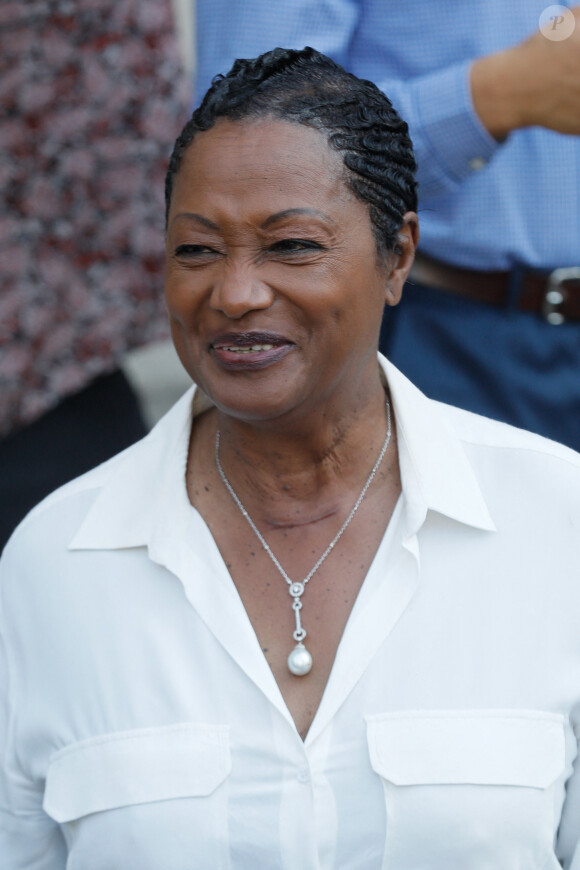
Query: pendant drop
x=299 y=661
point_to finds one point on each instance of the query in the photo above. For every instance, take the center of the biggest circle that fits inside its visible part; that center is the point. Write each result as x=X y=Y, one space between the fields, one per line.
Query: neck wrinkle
x=280 y=495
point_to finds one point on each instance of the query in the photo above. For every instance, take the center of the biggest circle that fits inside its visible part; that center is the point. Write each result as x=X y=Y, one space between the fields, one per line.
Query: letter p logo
x=557 y=23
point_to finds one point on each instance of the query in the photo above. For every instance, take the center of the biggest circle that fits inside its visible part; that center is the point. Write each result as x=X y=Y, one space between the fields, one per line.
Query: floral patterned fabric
x=94 y=99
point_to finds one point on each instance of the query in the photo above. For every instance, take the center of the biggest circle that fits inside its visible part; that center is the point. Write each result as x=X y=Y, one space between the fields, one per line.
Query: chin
x=252 y=396
x=258 y=409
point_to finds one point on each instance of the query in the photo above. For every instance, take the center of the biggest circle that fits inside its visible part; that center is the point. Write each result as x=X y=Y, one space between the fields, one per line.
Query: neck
x=298 y=475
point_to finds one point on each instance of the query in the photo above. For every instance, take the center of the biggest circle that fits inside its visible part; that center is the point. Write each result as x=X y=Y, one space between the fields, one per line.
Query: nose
x=239 y=290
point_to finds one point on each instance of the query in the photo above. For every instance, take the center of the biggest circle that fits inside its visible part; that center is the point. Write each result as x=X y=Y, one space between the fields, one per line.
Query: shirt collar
x=143 y=498
x=436 y=472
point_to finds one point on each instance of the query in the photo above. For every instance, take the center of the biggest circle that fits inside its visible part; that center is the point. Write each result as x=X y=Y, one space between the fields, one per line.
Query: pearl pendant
x=299 y=661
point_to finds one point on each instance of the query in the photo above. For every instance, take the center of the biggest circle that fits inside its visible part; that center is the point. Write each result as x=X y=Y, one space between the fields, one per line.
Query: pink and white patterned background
x=92 y=97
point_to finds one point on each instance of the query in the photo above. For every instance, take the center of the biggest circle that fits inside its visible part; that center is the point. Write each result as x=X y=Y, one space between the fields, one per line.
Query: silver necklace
x=300 y=660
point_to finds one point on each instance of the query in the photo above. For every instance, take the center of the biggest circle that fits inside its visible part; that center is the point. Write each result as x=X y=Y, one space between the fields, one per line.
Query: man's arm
x=533 y=84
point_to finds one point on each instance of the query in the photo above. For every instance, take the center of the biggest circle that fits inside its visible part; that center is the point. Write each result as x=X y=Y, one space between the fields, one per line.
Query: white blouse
x=141 y=727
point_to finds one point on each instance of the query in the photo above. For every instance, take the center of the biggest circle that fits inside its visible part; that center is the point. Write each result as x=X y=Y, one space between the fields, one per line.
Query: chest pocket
x=126 y=799
x=471 y=789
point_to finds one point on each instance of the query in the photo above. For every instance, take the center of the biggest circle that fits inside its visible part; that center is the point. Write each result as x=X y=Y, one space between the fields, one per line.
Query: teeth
x=253 y=349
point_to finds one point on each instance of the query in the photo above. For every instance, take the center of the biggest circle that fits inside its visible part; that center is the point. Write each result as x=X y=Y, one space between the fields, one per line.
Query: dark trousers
x=81 y=432
x=500 y=362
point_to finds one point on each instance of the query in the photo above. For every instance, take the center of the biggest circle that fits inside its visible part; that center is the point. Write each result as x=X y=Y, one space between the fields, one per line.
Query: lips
x=238 y=351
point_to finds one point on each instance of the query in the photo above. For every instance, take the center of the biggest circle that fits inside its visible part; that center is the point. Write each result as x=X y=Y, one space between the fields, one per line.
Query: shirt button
x=303 y=774
x=477 y=163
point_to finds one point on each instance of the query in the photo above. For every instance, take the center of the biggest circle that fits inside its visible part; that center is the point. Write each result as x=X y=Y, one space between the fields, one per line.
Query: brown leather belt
x=555 y=296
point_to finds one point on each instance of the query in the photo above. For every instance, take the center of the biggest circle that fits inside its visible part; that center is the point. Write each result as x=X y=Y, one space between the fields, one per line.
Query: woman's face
x=274 y=288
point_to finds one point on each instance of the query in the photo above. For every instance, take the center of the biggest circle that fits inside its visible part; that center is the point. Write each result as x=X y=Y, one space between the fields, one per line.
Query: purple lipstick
x=243 y=351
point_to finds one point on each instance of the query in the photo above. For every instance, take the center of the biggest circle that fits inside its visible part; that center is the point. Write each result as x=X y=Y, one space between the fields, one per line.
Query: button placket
x=303 y=774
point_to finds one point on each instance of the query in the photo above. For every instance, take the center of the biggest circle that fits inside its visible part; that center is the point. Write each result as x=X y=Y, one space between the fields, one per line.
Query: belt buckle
x=555 y=296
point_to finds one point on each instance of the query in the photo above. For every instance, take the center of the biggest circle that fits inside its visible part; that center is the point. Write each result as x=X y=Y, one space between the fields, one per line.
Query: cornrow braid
x=358 y=120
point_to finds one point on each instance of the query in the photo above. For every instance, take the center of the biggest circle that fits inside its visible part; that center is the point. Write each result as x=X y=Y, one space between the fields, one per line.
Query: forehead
x=287 y=163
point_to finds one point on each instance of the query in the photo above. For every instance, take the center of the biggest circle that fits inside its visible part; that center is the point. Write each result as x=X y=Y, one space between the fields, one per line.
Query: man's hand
x=535 y=83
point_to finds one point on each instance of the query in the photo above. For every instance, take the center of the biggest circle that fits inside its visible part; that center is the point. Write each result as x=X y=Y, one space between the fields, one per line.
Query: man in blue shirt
x=491 y=318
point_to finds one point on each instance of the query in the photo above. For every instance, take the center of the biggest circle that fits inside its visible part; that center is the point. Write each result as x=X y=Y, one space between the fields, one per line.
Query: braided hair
x=306 y=87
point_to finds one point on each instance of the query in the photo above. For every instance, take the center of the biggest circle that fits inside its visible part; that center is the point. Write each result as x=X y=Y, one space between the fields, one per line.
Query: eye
x=192 y=251
x=295 y=246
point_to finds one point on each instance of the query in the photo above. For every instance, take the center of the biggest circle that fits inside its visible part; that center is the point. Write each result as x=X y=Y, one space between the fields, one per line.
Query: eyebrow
x=198 y=218
x=272 y=219
x=291 y=212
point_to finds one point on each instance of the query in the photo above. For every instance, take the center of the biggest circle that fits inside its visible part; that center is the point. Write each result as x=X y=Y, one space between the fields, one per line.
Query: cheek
x=181 y=341
x=181 y=298
x=183 y=315
x=188 y=351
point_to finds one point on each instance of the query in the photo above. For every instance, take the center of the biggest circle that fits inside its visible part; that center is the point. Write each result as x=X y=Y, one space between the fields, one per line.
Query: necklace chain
x=297 y=588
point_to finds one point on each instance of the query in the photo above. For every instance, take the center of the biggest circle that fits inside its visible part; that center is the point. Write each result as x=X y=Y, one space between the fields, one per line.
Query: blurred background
x=155 y=370
x=93 y=95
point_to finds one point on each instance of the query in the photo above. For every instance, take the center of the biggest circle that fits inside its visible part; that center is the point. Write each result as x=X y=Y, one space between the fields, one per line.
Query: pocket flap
x=484 y=747
x=132 y=767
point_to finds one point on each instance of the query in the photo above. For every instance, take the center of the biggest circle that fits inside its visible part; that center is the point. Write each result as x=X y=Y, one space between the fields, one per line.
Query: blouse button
x=303 y=774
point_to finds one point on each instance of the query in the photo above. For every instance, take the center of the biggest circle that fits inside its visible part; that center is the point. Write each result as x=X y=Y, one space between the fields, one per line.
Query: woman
x=412 y=702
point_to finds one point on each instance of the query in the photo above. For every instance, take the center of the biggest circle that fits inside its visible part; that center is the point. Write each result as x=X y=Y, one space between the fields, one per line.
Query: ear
x=401 y=259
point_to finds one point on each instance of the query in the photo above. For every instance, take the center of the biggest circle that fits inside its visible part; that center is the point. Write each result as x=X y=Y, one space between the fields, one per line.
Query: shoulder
x=517 y=466
x=487 y=434
x=71 y=496
x=40 y=543
x=130 y=476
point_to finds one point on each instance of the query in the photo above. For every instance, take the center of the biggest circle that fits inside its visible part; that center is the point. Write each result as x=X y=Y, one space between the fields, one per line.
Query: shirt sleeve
x=450 y=141
x=29 y=839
